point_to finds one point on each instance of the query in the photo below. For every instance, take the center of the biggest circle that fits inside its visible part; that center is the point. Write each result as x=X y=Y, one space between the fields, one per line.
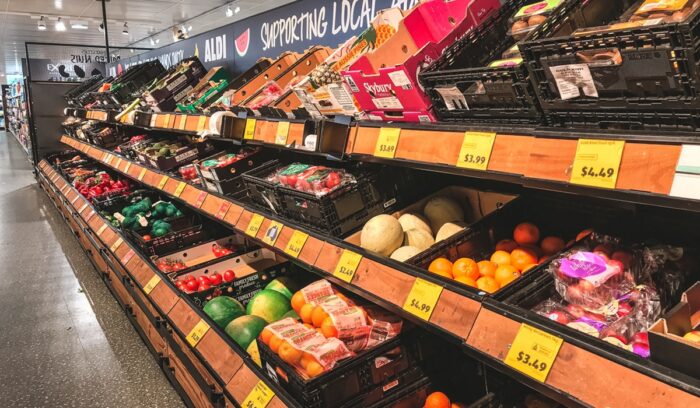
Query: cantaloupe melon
x=440 y=210
x=405 y=253
x=382 y=234
x=414 y=221
x=419 y=239
x=449 y=229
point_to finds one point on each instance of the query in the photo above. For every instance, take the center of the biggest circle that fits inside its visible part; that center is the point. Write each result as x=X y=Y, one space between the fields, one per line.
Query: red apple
x=641 y=337
x=558 y=316
x=624 y=309
x=575 y=310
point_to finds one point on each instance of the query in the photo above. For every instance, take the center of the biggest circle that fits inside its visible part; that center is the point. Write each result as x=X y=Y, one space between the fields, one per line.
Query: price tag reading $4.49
x=597 y=163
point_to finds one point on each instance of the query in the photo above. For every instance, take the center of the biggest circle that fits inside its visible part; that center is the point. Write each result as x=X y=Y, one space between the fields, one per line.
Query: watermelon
x=245 y=329
x=291 y=314
x=242 y=43
x=268 y=304
x=223 y=310
x=283 y=285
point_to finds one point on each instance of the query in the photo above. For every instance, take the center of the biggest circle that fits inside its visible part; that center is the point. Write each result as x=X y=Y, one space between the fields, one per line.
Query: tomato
x=204 y=286
x=147 y=238
x=229 y=276
x=332 y=180
x=190 y=278
x=192 y=285
x=202 y=280
x=215 y=279
x=180 y=285
x=292 y=180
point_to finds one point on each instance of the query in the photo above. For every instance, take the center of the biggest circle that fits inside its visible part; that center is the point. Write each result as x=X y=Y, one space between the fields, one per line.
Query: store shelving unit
x=16 y=121
x=530 y=158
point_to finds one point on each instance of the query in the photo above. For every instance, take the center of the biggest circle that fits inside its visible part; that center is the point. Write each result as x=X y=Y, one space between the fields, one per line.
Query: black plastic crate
x=86 y=85
x=635 y=121
x=261 y=192
x=472 y=90
x=368 y=378
x=254 y=158
x=127 y=86
x=187 y=230
x=652 y=71
x=554 y=216
x=234 y=187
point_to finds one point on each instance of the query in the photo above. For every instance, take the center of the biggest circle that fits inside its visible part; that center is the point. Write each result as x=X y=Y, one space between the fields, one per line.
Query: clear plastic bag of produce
x=270 y=93
x=318 y=180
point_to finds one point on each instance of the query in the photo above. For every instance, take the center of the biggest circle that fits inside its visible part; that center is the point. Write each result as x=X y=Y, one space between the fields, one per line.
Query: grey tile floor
x=64 y=340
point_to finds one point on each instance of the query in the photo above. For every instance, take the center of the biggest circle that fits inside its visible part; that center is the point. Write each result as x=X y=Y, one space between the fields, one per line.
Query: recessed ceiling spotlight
x=229 y=12
x=79 y=24
x=41 y=24
x=153 y=42
x=125 y=31
x=60 y=25
x=237 y=10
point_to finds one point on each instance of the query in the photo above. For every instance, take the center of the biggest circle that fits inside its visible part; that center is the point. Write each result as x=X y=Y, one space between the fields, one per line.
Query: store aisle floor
x=64 y=340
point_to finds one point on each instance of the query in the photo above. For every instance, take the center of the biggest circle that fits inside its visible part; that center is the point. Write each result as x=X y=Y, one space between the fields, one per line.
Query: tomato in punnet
x=229 y=276
x=202 y=280
x=215 y=279
x=192 y=285
x=204 y=286
x=332 y=180
x=292 y=180
x=147 y=238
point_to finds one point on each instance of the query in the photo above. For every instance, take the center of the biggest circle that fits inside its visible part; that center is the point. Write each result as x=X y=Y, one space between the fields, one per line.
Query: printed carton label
x=453 y=98
x=573 y=79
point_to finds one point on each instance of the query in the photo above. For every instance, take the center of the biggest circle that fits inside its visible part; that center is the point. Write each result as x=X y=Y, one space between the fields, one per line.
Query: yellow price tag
x=386 y=142
x=142 y=174
x=254 y=225
x=259 y=397
x=167 y=121
x=128 y=166
x=180 y=188
x=422 y=299
x=152 y=283
x=197 y=333
x=254 y=353
x=163 y=182
x=282 y=133
x=119 y=162
x=347 y=266
x=272 y=233
x=102 y=229
x=116 y=245
x=249 y=133
x=476 y=150
x=296 y=243
x=533 y=352
x=202 y=123
x=183 y=122
x=597 y=162
x=80 y=211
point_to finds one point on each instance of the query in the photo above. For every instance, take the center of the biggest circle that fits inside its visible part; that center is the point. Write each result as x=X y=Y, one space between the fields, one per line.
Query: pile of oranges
x=511 y=259
x=314 y=317
x=440 y=400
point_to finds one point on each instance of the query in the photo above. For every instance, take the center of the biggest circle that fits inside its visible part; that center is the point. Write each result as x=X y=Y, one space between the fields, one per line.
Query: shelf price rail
x=216 y=371
x=457 y=314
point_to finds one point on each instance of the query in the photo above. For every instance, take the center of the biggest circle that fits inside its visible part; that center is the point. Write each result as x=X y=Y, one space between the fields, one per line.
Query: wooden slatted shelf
x=457 y=317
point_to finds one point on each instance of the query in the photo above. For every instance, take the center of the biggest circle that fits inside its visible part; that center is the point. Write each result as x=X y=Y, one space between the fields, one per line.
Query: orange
x=328 y=328
x=309 y=326
x=552 y=245
x=314 y=369
x=265 y=336
x=465 y=267
x=487 y=268
x=521 y=257
x=298 y=301
x=289 y=354
x=501 y=258
x=526 y=234
x=506 y=274
x=318 y=316
x=437 y=400
x=506 y=245
x=466 y=281
x=306 y=312
x=441 y=266
x=458 y=405
x=275 y=343
x=306 y=358
x=528 y=267
x=487 y=284
x=583 y=234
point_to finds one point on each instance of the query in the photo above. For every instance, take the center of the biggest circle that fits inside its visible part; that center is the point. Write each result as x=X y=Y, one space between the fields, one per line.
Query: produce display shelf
x=649 y=172
x=223 y=370
x=459 y=315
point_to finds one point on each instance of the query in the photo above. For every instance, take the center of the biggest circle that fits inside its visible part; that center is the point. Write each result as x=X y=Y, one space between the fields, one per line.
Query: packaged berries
x=318 y=180
x=529 y=17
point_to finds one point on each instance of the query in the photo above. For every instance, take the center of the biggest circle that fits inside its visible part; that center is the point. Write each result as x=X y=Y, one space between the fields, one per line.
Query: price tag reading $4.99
x=597 y=162
x=422 y=299
x=533 y=352
x=476 y=150
x=347 y=266
x=387 y=142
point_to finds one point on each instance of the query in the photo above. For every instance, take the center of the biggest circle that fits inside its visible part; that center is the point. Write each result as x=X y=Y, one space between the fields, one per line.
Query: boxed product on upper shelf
x=172 y=87
x=165 y=154
x=88 y=85
x=125 y=87
x=226 y=99
x=223 y=171
x=384 y=80
x=250 y=88
x=636 y=71
x=209 y=88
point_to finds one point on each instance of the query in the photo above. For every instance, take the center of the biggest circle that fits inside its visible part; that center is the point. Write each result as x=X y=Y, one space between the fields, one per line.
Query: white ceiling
x=146 y=19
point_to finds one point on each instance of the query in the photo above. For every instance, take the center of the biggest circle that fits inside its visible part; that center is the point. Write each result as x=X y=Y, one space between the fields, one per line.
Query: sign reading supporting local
x=597 y=163
x=533 y=352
